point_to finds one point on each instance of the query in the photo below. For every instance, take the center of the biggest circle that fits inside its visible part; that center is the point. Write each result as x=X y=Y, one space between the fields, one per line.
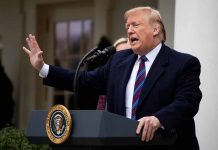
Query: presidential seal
x=58 y=124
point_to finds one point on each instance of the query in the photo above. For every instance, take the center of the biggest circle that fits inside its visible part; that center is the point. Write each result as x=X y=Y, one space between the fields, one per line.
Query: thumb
x=26 y=50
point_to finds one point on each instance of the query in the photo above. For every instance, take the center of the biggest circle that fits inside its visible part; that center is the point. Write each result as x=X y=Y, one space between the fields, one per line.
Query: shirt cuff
x=43 y=73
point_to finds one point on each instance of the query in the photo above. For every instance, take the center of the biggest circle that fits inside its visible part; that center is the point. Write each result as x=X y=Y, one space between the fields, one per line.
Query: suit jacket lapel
x=155 y=72
x=125 y=68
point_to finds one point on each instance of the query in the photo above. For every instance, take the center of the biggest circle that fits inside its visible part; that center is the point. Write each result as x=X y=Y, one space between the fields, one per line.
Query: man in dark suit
x=167 y=93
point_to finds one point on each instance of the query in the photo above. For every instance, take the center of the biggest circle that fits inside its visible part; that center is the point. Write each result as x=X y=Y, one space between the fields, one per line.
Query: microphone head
x=109 y=50
x=101 y=55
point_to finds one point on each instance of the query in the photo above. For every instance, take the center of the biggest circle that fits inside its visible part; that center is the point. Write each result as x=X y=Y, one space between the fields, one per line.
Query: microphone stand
x=75 y=83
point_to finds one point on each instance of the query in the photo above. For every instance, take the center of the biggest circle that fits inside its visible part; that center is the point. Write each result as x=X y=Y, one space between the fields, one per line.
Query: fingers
x=145 y=131
x=152 y=135
x=148 y=126
x=26 y=50
x=139 y=127
x=28 y=41
x=149 y=131
x=32 y=43
x=142 y=127
x=40 y=53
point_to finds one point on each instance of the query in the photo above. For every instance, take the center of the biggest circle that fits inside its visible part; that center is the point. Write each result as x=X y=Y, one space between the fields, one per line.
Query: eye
x=135 y=25
x=127 y=26
x=132 y=25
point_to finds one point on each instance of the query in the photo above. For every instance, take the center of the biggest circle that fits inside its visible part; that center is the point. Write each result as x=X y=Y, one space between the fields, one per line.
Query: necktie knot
x=143 y=59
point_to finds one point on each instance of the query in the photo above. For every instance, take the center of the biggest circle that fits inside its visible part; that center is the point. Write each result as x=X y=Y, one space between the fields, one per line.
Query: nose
x=130 y=29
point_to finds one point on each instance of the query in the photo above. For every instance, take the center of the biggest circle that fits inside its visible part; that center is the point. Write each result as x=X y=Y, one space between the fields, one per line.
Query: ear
x=156 y=30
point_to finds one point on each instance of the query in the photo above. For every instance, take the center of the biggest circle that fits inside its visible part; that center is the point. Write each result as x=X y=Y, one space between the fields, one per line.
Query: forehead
x=136 y=16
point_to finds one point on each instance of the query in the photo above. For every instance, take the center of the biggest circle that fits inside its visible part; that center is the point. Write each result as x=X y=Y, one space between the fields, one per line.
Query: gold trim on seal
x=58 y=124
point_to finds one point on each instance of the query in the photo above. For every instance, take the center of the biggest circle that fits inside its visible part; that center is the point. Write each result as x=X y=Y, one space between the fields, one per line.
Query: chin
x=136 y=51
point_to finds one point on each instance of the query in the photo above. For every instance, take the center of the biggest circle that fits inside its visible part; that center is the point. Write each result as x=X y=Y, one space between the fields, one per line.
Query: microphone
x=106 y=52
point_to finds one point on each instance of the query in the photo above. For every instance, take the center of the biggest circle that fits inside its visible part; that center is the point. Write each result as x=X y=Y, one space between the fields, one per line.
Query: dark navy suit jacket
x=171 y=90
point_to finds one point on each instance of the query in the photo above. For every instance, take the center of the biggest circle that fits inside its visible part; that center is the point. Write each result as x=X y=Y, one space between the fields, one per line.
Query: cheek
x=143 y=34
x=147 y=36
x=144 y=37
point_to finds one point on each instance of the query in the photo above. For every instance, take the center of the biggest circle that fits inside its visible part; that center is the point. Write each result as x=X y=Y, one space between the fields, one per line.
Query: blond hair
x=154 y=17
x=120 y=41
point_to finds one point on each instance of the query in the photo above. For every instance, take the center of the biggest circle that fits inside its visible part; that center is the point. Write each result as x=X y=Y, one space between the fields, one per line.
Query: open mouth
x=133 y=40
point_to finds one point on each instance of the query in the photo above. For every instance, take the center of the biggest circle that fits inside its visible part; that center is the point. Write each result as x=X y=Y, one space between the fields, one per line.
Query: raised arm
x=34 y=52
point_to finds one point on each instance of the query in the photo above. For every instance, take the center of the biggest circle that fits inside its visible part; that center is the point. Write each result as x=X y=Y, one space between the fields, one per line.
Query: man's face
x=140 y=33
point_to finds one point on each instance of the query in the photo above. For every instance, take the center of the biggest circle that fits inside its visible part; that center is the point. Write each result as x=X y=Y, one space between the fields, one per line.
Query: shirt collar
x=153 y=53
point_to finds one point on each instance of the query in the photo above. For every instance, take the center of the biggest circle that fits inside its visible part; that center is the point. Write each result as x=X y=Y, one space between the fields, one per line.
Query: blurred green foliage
x=15 y=139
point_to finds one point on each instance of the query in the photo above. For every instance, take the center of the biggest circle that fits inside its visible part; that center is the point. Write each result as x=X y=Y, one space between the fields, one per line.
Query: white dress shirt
x=130 y=86
x=43 y=73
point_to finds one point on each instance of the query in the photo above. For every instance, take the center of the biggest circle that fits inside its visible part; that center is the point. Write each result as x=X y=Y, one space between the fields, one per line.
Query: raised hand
x=34 y=52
